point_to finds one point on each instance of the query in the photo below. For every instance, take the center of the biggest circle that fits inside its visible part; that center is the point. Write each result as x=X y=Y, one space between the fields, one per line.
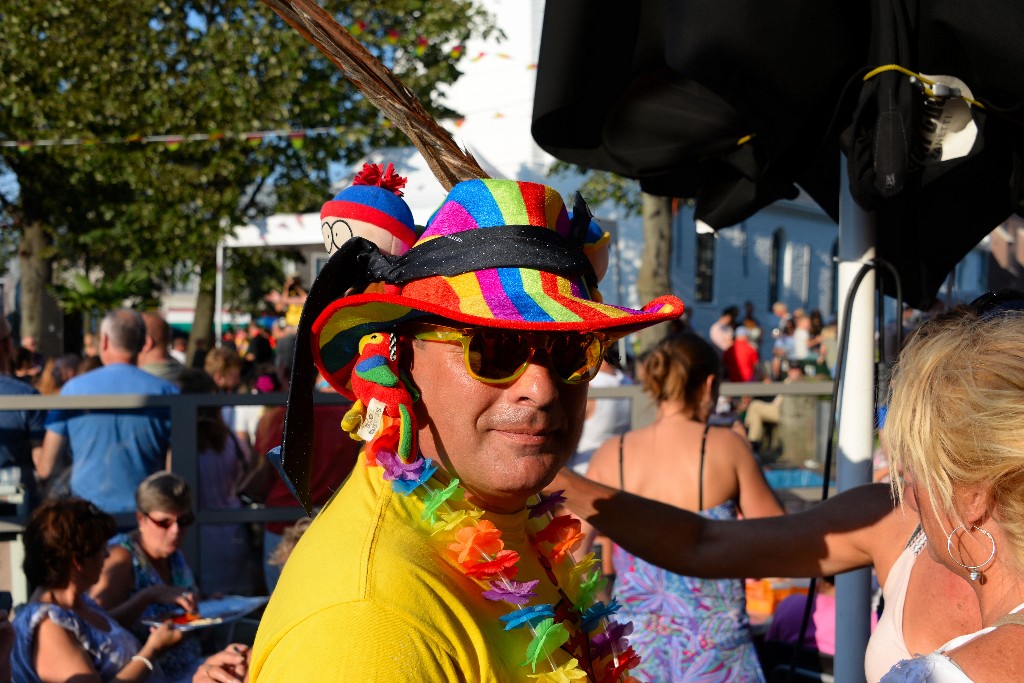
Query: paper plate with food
x=211 y=612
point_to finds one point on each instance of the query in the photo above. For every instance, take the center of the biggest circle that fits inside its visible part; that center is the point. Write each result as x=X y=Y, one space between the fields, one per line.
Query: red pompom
x=380 y=176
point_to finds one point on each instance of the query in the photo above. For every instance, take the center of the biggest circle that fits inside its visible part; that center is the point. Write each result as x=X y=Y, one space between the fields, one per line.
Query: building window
x=704 y=283
x=187 y=285
x=970 y=272
x=775 y=266
x=319 y=262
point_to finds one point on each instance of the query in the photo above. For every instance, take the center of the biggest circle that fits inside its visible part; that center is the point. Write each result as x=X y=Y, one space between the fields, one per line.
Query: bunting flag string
x=174 y=142
x=420 y=43
x=257 y=137
x=297 y=138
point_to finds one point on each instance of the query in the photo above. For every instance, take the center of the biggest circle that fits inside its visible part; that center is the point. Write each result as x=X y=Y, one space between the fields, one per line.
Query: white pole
x=856 y=435
x=218 y=294
x=616 y=250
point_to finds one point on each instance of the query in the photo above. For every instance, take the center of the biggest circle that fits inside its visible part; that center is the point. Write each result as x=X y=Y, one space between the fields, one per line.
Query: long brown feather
x=446 y=159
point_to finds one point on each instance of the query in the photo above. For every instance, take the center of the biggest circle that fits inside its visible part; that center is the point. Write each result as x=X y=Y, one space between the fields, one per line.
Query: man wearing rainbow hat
x=468 y=359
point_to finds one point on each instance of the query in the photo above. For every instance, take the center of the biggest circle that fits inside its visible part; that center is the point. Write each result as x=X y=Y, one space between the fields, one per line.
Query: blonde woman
x=955 y=431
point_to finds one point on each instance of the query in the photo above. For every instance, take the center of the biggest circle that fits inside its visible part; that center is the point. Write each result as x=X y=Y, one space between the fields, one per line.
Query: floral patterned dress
x=686 y=629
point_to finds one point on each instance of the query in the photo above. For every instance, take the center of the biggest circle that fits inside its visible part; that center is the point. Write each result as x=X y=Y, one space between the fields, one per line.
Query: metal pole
x=856 y=435
x=218 y=293
x=184 y=462
x=615 y=246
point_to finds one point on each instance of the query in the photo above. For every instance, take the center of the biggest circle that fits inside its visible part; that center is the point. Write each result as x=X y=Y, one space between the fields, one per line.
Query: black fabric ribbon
x=339 y=275
x=507 y=246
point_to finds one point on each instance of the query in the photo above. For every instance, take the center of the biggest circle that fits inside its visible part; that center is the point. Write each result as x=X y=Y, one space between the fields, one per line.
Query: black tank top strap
x=700 y=472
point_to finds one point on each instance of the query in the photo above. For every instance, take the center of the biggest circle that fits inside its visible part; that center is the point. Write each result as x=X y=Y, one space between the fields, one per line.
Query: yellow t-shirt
x=368 y=595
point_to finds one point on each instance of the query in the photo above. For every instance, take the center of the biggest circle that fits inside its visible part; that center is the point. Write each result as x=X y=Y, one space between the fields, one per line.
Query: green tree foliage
x=92 y=299
x=263 y=271
x=599 y=187
x=654 y=277
x=100 y=71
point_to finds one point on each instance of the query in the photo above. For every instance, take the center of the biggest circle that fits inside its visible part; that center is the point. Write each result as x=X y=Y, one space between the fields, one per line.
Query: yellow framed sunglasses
x=498 y=356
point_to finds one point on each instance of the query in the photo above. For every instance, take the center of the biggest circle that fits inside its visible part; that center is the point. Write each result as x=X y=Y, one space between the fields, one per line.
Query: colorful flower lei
x=476 y=547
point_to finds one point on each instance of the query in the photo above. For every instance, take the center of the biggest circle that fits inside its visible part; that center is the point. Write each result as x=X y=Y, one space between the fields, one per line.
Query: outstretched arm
x=851 y=530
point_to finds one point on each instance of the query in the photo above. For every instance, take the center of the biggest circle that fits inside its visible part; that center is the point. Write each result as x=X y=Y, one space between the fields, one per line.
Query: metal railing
x=184 y=455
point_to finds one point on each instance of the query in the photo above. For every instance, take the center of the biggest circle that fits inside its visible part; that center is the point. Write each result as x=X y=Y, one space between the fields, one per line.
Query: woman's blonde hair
x=289 y=540
x=956 y=414
x=677 y=368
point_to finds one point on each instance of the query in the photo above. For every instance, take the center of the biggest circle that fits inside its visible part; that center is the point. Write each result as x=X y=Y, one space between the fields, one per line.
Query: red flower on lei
x=503 y=563
x=565 y=535
x=626 y=661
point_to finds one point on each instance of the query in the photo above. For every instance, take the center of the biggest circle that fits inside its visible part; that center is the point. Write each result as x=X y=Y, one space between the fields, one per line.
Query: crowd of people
x=800 y=346
x=99 y=463
x=750 y=352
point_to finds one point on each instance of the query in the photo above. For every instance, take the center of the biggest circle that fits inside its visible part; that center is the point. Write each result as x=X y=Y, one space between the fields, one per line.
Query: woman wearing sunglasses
x=62 y=634
x=146 y=576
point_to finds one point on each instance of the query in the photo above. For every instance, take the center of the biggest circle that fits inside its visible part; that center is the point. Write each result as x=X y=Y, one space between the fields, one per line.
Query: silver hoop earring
x=975 y=569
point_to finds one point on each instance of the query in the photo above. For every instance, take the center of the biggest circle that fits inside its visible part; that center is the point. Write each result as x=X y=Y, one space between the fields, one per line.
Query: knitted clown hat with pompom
x=372 y=208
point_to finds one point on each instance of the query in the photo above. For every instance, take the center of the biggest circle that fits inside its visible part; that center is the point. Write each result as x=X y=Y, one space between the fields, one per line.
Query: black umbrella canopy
x=736 y=103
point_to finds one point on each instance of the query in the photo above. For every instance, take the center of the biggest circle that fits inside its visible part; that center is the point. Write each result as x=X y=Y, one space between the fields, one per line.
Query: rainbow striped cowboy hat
x=497 y=253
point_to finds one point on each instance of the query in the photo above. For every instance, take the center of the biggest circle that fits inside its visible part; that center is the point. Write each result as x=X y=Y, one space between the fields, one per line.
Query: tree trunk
x=201 y=336
x=654 y=277
x=39 y=315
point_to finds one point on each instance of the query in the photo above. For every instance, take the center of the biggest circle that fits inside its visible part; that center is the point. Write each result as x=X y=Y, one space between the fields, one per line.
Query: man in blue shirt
x=21 y=431
x=112 y=451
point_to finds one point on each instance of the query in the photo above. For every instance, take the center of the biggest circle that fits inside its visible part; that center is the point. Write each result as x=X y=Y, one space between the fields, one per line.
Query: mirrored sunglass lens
x=168 y=522
x=496 y=354
x=575 y=357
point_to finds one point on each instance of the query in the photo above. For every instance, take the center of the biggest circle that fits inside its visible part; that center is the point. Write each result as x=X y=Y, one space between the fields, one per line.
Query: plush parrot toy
x=382 y=414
